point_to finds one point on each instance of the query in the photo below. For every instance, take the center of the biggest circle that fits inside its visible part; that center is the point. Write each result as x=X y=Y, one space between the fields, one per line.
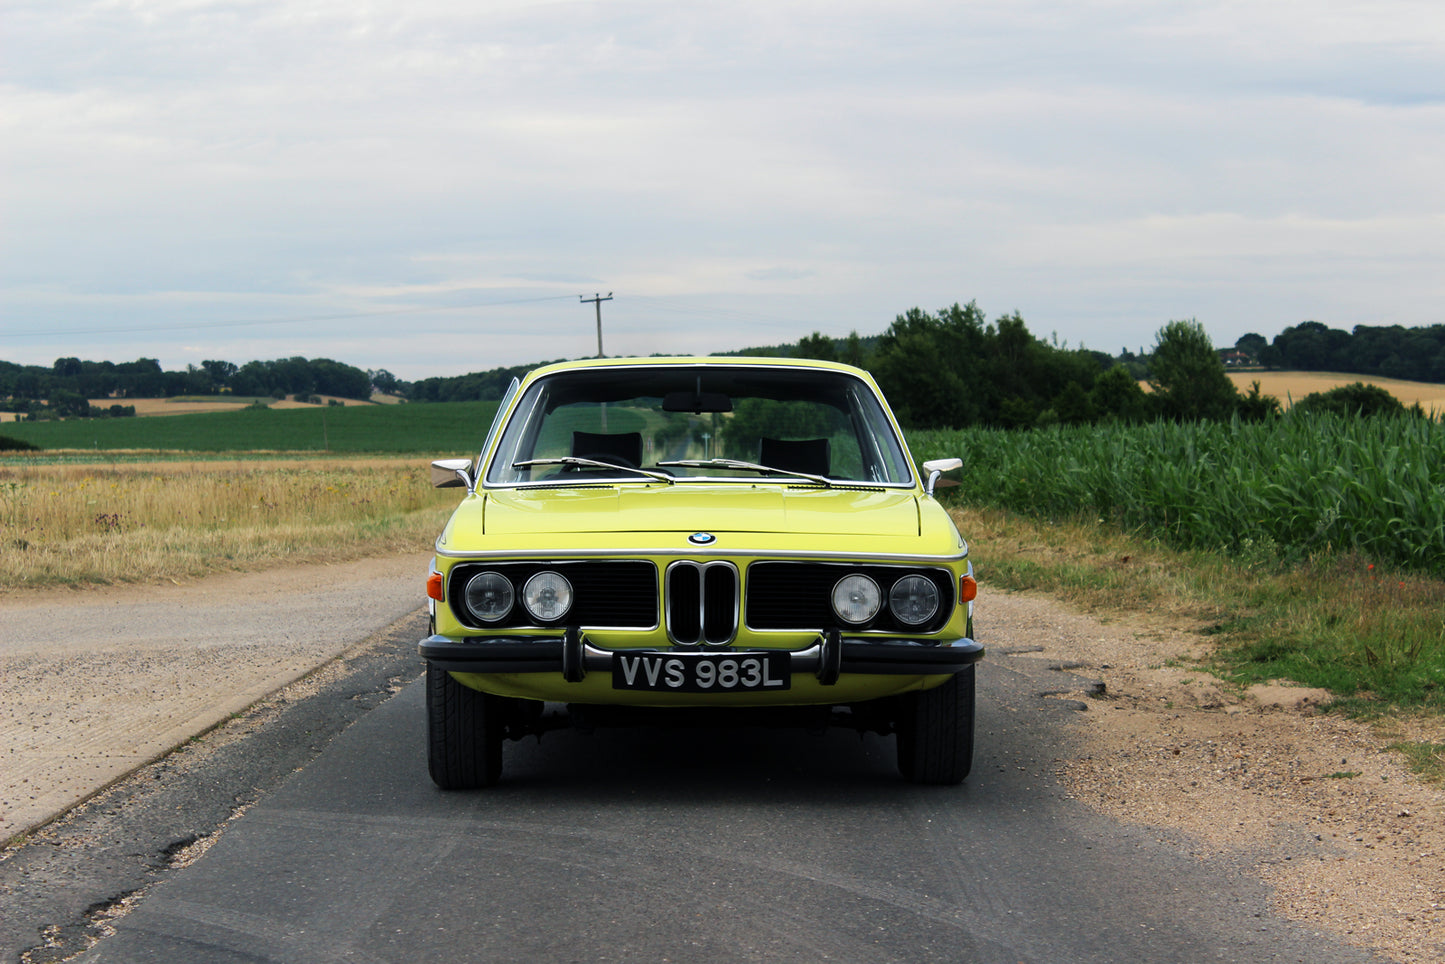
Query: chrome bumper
x=573 y=656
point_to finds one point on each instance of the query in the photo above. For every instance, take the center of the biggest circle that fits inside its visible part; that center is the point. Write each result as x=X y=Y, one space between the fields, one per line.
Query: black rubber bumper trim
x=908 y=657
x=494 y=654
x=547 y=654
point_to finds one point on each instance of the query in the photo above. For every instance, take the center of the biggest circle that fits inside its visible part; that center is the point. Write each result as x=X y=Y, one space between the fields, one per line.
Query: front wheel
x=935 y=732
x=464 y=734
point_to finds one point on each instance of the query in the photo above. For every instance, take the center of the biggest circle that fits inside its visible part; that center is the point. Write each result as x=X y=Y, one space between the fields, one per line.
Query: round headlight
x=856 y=599
x=913 y=600
x=547 y=596
x=488 y=596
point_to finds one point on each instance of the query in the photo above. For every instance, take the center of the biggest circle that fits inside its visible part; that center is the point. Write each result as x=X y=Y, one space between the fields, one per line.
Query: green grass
x=1371 y=635
x=443 y=428
x=1426 y=759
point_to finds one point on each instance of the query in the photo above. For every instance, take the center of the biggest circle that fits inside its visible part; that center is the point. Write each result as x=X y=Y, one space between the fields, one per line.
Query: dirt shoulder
x=1351 y=841
x=95 y=683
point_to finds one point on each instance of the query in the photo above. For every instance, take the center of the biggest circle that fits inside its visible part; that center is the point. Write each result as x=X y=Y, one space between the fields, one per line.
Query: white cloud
x=737 y=174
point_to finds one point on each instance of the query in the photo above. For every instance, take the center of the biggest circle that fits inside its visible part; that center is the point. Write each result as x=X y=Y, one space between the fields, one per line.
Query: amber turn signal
x=967 y=588
x=434 y=586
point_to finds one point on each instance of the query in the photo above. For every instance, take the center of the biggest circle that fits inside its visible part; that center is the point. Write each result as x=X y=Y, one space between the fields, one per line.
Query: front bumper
x=573 y=656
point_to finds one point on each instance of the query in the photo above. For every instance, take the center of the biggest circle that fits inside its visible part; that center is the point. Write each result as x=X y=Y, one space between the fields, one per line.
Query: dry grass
x=87 y=524
x=1291 y=387
x=190 y=405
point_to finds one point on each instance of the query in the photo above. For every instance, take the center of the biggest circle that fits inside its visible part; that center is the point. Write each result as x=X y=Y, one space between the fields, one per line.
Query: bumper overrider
x=574 y=657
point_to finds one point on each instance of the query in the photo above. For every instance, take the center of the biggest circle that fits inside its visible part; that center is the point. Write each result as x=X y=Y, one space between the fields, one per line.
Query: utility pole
x=597 y=300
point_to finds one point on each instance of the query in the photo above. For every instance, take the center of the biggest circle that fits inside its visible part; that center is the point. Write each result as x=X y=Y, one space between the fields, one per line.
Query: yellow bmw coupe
x=672 y=538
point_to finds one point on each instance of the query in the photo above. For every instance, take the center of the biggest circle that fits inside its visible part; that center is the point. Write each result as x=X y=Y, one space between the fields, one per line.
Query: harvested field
x=1292 y=386
x=189 y=405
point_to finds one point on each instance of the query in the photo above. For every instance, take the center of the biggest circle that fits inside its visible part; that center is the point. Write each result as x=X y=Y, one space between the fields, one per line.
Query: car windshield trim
x=795 y=425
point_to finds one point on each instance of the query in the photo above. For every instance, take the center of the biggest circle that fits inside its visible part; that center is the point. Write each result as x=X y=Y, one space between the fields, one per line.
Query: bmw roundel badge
x=702 y=538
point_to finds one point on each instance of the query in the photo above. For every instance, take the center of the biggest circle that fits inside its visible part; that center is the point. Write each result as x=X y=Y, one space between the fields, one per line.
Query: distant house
x=1234 y=358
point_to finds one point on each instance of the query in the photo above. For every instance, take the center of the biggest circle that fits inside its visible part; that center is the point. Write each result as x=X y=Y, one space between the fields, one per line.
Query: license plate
x=701 y=672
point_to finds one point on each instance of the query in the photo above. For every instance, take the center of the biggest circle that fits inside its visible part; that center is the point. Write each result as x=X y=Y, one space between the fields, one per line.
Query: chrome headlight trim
x=488 y=596
x=913 y=600
x=856 y=599
x=547 y=596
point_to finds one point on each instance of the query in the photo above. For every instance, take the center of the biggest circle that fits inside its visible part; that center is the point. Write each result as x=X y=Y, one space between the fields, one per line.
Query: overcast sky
x=428 y=186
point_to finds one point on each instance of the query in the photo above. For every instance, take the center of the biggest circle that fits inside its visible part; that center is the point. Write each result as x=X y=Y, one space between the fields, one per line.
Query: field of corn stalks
x=1288 y=488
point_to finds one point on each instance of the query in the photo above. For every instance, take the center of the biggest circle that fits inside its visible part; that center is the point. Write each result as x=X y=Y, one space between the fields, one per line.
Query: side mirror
x=936 y=468
x=452 y=473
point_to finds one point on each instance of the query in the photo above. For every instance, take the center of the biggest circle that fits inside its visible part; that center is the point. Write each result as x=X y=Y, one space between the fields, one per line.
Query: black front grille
x=798 y=595
x=613 y=594
x=702 y=603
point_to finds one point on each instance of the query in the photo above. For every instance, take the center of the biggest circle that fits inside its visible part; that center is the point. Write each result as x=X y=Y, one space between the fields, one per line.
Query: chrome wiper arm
x=746 y=467
x=578 y=462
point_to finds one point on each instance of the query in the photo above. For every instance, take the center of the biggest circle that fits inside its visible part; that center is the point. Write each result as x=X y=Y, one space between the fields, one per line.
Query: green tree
x=1254 y=406
x=221 y=372
x=817 y=345
x=1188 y=377
x=1116 y=394
x=1073 y=406
x=1355 y=399
x=926 y=367
x=1251 y=344
x=67 y=404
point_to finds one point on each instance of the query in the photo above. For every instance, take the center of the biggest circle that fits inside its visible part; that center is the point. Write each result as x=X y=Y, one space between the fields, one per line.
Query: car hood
x=702 y=507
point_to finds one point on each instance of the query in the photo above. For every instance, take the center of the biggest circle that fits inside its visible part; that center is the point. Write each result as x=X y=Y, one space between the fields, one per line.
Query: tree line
x=950 y=368
x=954 y=369
x=65 y=390
x=1413 y=354
x=484 y=386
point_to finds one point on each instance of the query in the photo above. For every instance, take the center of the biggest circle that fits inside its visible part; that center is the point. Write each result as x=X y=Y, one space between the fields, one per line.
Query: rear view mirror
x=696 y=402
x=935 y=469
x=449 y=473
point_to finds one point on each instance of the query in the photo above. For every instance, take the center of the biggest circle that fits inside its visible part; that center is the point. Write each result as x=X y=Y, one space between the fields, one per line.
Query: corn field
x=1287 y=488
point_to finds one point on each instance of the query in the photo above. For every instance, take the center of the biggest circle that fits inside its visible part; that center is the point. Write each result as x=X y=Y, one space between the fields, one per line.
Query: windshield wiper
x=577 y=461
x=746 y=467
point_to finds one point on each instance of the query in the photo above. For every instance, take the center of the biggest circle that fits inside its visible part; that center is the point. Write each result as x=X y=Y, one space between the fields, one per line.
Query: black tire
x=935 y=732
x=464 y=734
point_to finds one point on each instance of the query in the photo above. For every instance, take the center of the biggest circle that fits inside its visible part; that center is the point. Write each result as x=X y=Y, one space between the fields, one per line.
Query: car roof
x=689 y=361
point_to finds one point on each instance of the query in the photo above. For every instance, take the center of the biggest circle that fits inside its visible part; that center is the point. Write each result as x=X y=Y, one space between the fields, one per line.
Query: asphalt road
x=638 y=845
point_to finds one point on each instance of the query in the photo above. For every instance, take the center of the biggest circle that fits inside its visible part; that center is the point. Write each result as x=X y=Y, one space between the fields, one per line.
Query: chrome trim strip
x=525 y=627
x=681 y=552
x=834 y=485
x=886 y=633
x=862 y=381
x=702 y=621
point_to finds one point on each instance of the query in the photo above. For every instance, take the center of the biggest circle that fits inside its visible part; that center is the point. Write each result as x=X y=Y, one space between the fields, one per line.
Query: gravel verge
x=62 y=885
x=1349 y=839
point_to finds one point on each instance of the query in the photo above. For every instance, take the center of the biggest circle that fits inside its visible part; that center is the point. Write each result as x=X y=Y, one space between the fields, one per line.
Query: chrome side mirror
x=452 y=473
x=936 y=468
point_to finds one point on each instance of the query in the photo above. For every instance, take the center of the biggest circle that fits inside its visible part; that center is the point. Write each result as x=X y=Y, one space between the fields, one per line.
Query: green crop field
x=1289 y=488
x=443 y=428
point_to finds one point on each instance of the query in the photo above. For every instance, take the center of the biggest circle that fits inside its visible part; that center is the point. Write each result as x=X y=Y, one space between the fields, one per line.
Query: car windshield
x=652 y=423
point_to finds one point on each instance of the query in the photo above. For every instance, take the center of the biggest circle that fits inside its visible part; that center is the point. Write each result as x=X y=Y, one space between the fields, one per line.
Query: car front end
x=614 y=550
